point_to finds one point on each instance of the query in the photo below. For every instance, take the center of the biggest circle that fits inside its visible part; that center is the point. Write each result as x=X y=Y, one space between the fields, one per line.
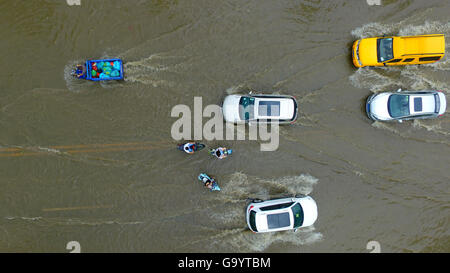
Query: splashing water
x=412 y=77
x=236 y=193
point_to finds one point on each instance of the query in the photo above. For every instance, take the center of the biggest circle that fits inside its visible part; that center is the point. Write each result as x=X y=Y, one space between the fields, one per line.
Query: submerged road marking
x=78 y=208
x=83 y=148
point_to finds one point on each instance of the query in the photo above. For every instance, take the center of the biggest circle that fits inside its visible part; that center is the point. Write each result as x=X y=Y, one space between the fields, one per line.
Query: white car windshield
x=246 y=108
x=398 y=106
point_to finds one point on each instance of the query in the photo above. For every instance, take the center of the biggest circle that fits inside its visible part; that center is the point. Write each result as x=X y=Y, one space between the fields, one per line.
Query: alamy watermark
x=373 y=2
x=374 y=246
x=215 y=128
x=74 y=246
x=73 y=2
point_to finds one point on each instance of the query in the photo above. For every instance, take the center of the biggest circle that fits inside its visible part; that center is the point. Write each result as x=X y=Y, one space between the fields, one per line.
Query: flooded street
x=96 y=163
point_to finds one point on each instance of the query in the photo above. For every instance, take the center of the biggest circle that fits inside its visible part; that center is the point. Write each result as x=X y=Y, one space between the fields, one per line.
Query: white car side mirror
x=400 y=120
x=398 y=90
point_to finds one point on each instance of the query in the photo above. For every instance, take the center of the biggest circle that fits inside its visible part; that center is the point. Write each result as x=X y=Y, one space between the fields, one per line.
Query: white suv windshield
x=398 y=106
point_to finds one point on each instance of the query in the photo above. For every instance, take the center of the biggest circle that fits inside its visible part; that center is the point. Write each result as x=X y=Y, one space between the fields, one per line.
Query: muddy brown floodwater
x=96 y=163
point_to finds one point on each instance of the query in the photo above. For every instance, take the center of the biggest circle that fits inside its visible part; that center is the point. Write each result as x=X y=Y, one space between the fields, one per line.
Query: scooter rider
x=208 y=183
x=221 y=152
x=189 y=147
x=79 y=71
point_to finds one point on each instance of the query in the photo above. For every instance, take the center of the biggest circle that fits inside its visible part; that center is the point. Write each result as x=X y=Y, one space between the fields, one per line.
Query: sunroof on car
x=278 y=220
x=417 y=104
x=269 y=108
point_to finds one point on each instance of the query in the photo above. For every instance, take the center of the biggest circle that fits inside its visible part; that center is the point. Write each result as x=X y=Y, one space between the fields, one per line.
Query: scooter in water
x=220 y=152
x=206 y=179
x=196 y=147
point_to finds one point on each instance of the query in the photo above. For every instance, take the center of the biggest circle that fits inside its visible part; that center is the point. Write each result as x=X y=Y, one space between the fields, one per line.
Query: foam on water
x=435 y=127
x=238 y=89
x=155 y=69
x=244 y=241
x=406 y=77
x=369 y=78
x=241 y=187
x=234 y=198
x=414 y=77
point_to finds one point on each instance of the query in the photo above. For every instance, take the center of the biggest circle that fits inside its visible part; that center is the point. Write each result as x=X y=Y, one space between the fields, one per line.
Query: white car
x=258 y=108
x=281 y=214
x=404 y=105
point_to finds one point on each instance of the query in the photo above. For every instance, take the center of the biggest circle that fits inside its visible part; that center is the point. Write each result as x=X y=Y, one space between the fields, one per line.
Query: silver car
x=405 y=105
x=281 y=214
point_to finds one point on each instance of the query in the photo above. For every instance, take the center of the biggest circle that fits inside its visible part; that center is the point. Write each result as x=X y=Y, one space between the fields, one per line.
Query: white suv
x=259 y=108
x=281 y=214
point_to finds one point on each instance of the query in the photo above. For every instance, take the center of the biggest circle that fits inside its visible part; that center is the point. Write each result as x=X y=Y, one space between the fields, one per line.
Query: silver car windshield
x=398 y=105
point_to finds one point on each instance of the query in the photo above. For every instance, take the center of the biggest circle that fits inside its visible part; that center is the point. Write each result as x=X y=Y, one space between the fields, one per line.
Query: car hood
x=230 y=108
x=442 y=102
x=368 y=51
x=379 y=106
x=261 y=222
x=309 y=207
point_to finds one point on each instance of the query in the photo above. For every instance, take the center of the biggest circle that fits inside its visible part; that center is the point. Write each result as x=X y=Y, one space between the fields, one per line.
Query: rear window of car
x=269 y=108
x=438 y=103
x=278 y=220
x=278 y=206
x=398 y=105
x=297 y=211
x=252 y=220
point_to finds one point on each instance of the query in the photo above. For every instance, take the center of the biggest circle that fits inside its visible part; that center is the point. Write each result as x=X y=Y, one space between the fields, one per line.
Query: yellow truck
x=398 y=50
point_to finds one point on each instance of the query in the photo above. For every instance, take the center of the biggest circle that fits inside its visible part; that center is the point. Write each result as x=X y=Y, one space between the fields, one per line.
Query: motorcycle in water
x=220 y=152
x=204 y=178
x=197 y=147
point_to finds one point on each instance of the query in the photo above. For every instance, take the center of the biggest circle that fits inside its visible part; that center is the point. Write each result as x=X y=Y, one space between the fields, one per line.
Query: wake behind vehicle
x=405 y=105
x=100 y=70
x=398 y=50
x=259 y=108
x=281 y=214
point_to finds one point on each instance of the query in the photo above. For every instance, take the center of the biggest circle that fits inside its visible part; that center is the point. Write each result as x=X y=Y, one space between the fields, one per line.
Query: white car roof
x=422 y=104
x=285 y=109
x=262 y=219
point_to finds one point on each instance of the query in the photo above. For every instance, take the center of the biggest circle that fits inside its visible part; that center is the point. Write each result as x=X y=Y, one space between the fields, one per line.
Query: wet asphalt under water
x=96 y=163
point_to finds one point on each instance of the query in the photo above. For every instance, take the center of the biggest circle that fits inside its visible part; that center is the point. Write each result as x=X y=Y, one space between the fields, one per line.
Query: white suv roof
x=281 y=214
x=259 y=108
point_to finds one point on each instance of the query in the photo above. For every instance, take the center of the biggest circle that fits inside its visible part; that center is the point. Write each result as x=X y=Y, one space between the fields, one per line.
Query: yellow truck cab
x=386 y=51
